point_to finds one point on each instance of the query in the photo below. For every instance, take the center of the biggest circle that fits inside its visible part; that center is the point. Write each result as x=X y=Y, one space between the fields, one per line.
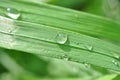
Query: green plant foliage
x=29 y=31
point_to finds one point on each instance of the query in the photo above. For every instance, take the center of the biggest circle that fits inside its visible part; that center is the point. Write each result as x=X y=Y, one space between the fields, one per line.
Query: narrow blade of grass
x=65 y=18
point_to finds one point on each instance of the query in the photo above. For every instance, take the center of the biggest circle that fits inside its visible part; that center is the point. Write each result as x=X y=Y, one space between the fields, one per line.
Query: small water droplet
x=114 y=62
x=89 y=47
x=13 y=13
x=61 y=38
x=87 y=65
x=65 y=57
x=8 y=40
x=76 y=15
x=9 y=31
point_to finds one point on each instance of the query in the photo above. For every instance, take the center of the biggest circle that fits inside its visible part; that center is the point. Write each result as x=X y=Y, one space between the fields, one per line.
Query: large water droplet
x=65 y=57
x=61 y=38
x=114 y=62
x=13 y=13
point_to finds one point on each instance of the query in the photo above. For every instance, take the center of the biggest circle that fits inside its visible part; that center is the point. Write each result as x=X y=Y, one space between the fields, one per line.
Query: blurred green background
x=16 y=65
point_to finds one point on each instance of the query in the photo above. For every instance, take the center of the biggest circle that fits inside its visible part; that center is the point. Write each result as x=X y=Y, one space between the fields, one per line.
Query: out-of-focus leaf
x=74 y=4
x=30 y=62
x=106 y=8
x=2 y=69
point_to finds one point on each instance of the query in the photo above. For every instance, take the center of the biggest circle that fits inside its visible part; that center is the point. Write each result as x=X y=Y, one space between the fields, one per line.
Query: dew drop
x=114 y=62
x=77 y=16
x=89 y=47
x=65 y=57
x=87 y=65
x=61 y=38
x=13 y=13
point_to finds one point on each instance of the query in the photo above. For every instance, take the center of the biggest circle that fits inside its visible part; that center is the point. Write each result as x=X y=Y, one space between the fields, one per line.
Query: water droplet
x=13 y=13
x=114 y=62
x=9 y=31
x=89 y=47
x=61 y=38
x=116 y=56
x=87 y=65
x=65 y=57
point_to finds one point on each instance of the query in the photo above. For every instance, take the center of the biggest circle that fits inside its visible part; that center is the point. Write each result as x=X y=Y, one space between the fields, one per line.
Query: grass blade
x=35 y=32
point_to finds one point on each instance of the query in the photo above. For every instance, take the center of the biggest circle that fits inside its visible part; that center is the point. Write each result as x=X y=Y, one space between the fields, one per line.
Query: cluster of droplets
x=62 y=38
x=87 y=65
x=65 y=57
x=13 y=13
x=115 y=62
